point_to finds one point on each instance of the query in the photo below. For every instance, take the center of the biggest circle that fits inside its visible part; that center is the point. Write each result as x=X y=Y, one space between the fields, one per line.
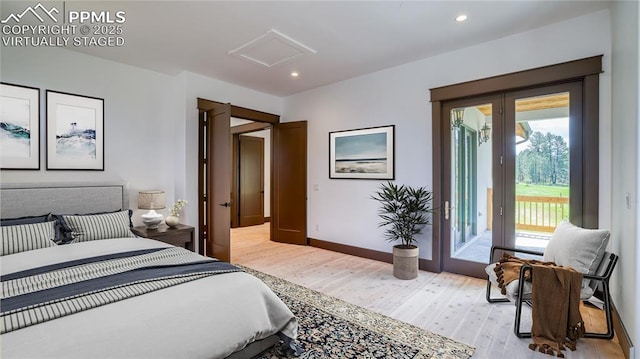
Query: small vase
x=172 y=221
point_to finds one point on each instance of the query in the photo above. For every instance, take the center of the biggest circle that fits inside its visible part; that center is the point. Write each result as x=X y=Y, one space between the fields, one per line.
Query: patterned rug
x=332 y=328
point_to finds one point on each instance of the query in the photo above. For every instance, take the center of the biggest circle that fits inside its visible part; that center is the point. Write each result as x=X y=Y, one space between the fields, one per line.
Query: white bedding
x=206 y=318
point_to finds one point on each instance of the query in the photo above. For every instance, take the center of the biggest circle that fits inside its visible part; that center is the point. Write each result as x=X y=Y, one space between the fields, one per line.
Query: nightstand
x=180 y=235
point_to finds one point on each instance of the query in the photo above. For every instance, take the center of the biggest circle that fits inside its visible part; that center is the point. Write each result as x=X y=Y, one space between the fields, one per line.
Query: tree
x=544 y=161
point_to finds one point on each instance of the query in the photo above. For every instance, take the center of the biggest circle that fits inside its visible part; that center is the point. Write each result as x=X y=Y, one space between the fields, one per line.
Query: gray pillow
x=98 y=226
x=66 y=232
x=579 y=248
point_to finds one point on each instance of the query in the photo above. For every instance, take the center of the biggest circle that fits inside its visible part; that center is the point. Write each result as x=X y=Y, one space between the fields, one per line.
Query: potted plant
x=404 y=211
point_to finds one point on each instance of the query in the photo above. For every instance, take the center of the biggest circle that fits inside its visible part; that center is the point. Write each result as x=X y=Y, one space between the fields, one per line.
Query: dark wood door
x=289 y=183
x=251 y=178
x=218 y=187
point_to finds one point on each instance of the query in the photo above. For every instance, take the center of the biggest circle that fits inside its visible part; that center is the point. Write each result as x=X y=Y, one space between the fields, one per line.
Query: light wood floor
x=448 y=304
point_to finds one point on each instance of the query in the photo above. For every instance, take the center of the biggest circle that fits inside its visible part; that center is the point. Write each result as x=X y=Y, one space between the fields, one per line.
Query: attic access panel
x=271 y=49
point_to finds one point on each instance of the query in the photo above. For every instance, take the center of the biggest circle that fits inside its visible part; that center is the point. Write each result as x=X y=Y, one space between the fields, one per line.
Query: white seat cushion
x=512 y=288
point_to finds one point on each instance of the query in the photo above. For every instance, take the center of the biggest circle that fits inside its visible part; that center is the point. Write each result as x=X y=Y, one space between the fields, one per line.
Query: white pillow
x=578 y=248
x=26 y=237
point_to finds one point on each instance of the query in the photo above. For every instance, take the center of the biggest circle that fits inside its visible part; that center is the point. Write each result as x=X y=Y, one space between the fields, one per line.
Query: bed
x=195 y=307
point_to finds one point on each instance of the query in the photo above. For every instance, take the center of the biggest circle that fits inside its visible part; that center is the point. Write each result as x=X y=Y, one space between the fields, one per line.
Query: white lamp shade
x=151 y=200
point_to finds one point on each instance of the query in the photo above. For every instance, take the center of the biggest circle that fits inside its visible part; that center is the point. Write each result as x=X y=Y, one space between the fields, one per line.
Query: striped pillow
x=98 y=226
x=26 y=237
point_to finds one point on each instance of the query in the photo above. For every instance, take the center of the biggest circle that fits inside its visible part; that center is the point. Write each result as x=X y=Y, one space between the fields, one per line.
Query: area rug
x=332 y=328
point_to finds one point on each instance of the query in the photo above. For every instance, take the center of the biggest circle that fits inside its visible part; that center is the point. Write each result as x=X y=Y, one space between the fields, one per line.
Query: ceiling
x=537 y=103
x=346 y=39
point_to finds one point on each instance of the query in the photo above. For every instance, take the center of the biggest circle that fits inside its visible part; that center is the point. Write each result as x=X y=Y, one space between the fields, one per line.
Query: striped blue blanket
x=40 y=294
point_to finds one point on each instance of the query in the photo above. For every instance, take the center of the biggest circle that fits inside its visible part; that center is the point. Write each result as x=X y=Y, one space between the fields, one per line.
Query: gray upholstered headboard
x=33 y=199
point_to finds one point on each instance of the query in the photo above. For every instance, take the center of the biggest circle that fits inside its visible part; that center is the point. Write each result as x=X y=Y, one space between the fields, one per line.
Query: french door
x=469 y=177
x=512 y=170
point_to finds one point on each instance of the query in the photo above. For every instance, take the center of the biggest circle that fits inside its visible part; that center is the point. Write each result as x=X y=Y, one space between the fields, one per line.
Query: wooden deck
x=448 y=304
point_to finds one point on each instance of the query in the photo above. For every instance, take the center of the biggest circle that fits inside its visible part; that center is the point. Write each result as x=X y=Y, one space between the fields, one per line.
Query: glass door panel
x=542 y=170
x=470 y=187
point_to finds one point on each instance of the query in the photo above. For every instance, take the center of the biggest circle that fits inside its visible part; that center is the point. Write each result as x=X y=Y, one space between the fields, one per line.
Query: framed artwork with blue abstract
x=366 y=153
x=19 y=127
x=75 y=132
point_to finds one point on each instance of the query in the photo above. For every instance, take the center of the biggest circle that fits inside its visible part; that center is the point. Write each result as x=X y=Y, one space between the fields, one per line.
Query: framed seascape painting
x=19 y=127
x=366 y=153
x=75 y=132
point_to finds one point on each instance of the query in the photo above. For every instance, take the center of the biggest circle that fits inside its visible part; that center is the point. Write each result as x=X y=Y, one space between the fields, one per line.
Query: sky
x=557 y=126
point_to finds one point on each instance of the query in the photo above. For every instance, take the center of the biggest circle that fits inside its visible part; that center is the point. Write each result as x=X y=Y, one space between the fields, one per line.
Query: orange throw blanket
x=557 y=322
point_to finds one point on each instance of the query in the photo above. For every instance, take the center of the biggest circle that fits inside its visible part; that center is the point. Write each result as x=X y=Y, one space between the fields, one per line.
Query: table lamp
x=151 y=200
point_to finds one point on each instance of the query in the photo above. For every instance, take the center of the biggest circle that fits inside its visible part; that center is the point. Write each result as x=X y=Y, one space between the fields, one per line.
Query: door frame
x=586 y=70
x=205 y=105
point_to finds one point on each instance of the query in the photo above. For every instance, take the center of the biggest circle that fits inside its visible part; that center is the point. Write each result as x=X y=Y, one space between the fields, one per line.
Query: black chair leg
x=519 y=300
x=608 y=316
x=493 y=300
x=607 y=311
x=516 y=324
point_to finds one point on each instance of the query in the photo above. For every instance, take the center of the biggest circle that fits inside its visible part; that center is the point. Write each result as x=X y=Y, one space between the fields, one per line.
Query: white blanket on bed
x=207 y=318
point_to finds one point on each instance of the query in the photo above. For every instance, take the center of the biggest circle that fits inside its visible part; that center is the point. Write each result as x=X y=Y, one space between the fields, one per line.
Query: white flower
x=175 y=209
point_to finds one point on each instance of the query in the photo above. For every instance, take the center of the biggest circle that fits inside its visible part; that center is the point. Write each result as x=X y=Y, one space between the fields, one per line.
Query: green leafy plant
x=404 y=210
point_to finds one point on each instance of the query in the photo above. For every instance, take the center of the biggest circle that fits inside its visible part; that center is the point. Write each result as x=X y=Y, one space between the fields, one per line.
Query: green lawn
x=541 y=190
x=544 y=214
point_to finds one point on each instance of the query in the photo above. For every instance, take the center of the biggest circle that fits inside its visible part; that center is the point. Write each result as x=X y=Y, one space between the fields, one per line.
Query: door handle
x=226 y=204
x=446 y=210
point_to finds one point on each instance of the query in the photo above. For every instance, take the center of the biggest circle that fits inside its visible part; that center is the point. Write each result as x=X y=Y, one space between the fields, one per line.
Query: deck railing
x=535 y=213
x=540 y=213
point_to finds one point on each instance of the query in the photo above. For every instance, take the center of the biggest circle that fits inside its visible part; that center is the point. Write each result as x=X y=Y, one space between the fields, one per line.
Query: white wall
x=626 y=152
x=142 y=131
x=400 y=96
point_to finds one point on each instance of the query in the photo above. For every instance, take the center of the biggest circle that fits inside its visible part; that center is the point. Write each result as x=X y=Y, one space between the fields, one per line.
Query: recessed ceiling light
x=461 y=18
x=294 y=74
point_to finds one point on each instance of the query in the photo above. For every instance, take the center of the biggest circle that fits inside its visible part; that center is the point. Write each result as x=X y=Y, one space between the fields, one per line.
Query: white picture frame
x=366 y=153
x=75 y=132
x=19 y=127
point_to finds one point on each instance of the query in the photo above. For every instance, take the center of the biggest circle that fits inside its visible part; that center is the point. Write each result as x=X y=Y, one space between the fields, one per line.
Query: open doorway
x=250 y=180
x=251 y=173
x=288 y=179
